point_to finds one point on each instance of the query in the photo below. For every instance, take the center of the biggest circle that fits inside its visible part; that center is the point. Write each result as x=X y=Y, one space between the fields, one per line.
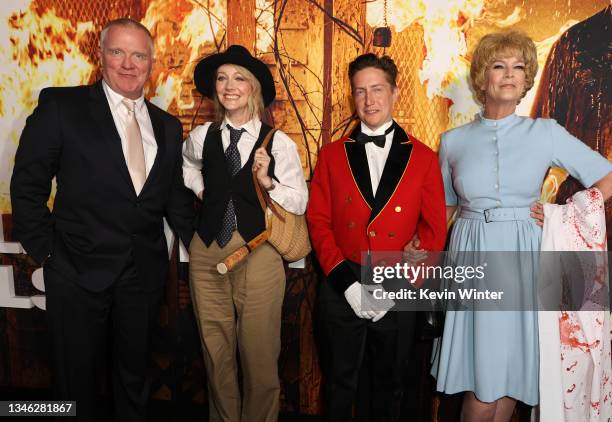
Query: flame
x=445 y=66
x=264 y=14
x=494 y=19
x=193 y=29
x=169 y=90
x=551 y=184
x=37 y=49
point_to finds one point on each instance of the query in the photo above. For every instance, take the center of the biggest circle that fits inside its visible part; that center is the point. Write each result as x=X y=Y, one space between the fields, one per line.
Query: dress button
x=494 y=123
x=372 y=233
x=496 y=186
x=398 y=209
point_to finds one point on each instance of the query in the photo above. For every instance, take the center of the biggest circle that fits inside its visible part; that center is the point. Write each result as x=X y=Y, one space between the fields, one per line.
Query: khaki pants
x=241 y=308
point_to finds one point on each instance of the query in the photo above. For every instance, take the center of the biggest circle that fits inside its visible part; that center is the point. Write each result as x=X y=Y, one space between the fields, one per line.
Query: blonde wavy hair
x=494 y=46
x=255 y=101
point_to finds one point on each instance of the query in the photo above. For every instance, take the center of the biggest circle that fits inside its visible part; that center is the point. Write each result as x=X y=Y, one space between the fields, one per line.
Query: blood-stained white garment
x=575 y=359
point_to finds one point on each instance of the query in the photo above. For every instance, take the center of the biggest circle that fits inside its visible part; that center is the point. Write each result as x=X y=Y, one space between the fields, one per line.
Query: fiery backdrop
x=308 y=45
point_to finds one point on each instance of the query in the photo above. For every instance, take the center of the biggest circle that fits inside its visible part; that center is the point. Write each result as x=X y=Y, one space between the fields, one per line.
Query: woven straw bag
x=287 y=232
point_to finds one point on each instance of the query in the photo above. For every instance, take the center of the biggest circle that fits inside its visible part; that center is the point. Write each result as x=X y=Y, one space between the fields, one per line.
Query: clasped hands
x=363 y=303
x=361 y=300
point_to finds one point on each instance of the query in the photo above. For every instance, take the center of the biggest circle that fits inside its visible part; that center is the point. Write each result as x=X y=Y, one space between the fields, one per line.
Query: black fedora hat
x=204 y=74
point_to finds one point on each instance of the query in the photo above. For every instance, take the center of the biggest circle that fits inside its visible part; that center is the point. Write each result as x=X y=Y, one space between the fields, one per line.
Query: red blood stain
x=569 y=334
x=594 y=202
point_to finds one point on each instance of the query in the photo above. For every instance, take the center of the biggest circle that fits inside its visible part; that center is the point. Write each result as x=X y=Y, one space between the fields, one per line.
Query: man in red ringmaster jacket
x=371 y=191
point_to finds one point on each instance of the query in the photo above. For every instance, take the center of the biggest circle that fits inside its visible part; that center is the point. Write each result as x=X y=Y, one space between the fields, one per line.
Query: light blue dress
x=500 y=164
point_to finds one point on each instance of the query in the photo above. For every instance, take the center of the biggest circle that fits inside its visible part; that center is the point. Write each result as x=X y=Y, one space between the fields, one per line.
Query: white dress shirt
x=291 y=193
x=377 y=156
x=120 y=115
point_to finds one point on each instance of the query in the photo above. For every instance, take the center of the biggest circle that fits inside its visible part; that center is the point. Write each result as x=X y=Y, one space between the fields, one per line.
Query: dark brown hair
x=384 y=63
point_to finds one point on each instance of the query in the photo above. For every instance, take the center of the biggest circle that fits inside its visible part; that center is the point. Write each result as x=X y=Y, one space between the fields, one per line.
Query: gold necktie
x=135 y=151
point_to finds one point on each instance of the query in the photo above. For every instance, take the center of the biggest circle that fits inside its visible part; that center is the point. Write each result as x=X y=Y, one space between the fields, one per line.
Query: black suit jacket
x=98 y=224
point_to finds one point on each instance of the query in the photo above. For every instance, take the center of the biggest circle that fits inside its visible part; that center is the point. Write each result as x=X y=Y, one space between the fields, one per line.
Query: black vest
x=219 y=187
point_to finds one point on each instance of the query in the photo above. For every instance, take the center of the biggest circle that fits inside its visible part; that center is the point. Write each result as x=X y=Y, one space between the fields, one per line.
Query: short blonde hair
x=501 y=44
x=255 y=101
x=126 y=23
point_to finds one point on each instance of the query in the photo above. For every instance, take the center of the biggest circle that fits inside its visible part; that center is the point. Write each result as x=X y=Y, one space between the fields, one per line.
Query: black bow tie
x=379 y=140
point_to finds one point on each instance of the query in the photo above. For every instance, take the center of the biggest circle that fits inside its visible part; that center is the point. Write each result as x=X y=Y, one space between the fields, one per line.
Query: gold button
x=351 y=224
x=398 y=209
x=348 y=199
x=391 y=234
x=372 y=233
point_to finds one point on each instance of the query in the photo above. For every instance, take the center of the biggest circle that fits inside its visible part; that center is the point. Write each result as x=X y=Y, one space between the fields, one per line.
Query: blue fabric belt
x=496 y=214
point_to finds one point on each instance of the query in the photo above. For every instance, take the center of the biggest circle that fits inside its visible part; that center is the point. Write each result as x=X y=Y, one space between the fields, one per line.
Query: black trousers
x=80 y=322
x=346 y=342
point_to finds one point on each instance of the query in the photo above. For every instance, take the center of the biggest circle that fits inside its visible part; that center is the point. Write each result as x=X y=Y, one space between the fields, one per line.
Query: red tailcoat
x=346 y=219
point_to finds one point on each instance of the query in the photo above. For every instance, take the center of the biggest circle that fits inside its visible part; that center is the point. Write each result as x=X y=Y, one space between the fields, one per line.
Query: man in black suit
x=117 y=161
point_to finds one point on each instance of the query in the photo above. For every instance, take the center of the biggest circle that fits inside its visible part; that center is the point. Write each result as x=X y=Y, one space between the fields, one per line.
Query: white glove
x=380 y=306
x=355 y=295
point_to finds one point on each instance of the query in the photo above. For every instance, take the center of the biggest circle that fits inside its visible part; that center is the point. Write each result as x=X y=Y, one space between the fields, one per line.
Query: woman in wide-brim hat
x=243 y=307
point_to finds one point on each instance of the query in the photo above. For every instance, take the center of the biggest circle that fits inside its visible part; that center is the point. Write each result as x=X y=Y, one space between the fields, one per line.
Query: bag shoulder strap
x=262 y=195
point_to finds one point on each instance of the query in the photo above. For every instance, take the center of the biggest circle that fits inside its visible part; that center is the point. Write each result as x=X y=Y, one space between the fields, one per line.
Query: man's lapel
x=358 y=163
x=159 y=132
x=395 y=166
x=101 y=113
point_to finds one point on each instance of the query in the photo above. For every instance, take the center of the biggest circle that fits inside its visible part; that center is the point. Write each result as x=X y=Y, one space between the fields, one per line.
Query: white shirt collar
x=115 y=99
x=379 y=131
x=252 y=126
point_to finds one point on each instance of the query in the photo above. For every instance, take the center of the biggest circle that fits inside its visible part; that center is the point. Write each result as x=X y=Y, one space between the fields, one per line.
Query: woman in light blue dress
x=493 y=171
